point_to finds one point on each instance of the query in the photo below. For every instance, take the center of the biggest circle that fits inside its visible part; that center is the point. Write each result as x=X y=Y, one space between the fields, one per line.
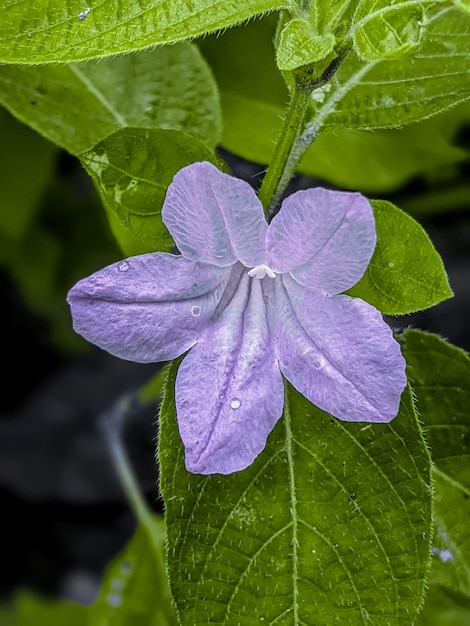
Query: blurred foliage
x=78 y=105
x=130 y=593
x=52 y=229
x=442 y=608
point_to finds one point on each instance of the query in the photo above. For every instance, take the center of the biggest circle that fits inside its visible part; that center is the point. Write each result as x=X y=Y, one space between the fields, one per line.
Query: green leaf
x=386 y=159
x=34 y=264
x=132 y=169
x=131 y=592
x=78 y=105
x=440 y=609
x=390 y=30
x=463 y=5
x=331 y=523
x=130 y=243
x=405 y=274
x=57 y=31
x=389 y=93
x=31 y=610
x=7 y=617
x=440 y=376
x=24 y=158
x=300 y=45
x=325 y=16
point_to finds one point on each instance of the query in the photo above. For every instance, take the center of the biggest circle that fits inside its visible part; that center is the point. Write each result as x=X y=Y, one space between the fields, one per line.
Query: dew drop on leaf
x=445 y=555
x=114 y=599
x=117 y=584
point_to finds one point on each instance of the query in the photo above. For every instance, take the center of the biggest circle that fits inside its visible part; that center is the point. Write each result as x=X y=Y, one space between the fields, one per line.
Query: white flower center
x=260 y=271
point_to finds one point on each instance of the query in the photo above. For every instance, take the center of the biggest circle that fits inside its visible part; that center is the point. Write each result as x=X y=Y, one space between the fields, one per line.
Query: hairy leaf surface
x=389 y=93
x=330 y=523
x=61 y=32
x=387 y=29
x=440 y=376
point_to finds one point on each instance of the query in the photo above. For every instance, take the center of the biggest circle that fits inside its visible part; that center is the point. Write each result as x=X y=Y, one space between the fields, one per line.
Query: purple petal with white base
x=229 y=391
x=249 y=301
x=149 y=308
x=215 y=218
x=338 y=352
x=324 y=239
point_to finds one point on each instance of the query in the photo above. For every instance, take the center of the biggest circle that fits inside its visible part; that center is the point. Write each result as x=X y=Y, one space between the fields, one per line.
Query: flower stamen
x=260 y=271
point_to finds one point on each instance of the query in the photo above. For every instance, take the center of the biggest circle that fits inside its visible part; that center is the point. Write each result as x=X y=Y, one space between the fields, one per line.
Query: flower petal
x=215 y=218
x=148 y=308
x=338 y=352
x=324 y=238
x=229 y=391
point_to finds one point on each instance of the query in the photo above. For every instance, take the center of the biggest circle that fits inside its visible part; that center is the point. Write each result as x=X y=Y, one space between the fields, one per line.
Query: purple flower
x=250 y=301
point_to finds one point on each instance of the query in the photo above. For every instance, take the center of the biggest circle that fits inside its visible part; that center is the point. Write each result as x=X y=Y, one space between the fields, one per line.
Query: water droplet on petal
x=196 y=311
x=235 y=403
x=123 y=266
x=217 y=295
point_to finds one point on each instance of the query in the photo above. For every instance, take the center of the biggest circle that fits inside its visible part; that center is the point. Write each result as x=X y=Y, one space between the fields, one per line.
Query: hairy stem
x=296 y=135
x=282 y=166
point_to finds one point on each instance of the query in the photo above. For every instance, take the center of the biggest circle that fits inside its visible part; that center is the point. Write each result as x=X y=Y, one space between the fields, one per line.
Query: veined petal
x=215 y=218
x=229 y=391
x=324 y=238
x=338 y=352
x=148 y=308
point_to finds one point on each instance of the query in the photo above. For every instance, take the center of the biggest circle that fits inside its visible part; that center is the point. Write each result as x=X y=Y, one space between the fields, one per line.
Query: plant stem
x=123 y=467
x=112 y=427
x=282 y=166
x=296 y=136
